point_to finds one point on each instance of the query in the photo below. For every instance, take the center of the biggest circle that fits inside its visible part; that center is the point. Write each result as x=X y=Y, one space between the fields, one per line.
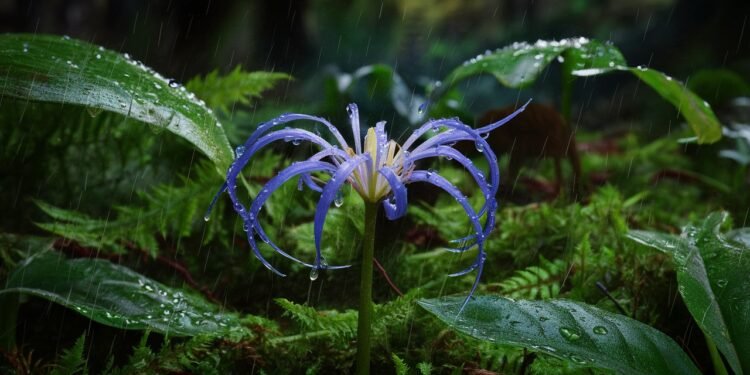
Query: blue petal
x=489 y=189
x=382 y=140
x=353 y=112
x=437 y=180
x=222 y=189
x=327 y=197
x=503 y=121
x=286 y=134
x=288 y=117
x=306 y=179
x=396 y=209
x=251 y=217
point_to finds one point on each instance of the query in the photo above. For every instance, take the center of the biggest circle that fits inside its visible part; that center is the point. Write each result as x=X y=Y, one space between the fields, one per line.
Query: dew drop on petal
x=314 y=273
x=239 y=151
x=339 y=199
x=600 y=330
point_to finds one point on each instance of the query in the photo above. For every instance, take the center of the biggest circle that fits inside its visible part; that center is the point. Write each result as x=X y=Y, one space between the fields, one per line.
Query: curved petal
x=396 y=209
x=327 y=197
x=284 y=134
x=439 y=181
x=305 y=177
x=503 y=121
x=211 y=205
x=251 y=217
x=289 y=117
x=488 y=188
x=353 y=112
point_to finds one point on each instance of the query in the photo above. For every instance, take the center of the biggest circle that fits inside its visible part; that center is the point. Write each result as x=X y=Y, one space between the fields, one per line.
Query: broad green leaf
x=580 y=333
x=520 y=64
x=712 y=273
x=696 y=111
x=117 y=296
x=62 y=70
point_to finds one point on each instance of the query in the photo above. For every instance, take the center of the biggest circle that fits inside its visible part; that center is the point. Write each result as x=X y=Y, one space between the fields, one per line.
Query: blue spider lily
x=377 y=168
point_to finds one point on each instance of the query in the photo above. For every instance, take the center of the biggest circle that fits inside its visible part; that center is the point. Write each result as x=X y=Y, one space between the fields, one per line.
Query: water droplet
x=569 y=334
x=578 y=360
x=314 y=273
x=296 y=141
x=93 y=111
x=339 y=199
x=206 y=218
x=600 y=330
x=239 y=151
x=485 y=135
x=560 y=59
x=721 y=283
x=25 y=47
x=98 y=56
x=245 y=227
x=173 y=84
x=480 y=147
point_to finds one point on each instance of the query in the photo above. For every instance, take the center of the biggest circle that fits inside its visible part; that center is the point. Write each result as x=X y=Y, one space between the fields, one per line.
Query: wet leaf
x=520 y=64
x=574 y=331
x=62 y=70
x=117 y=296
x=713 y=281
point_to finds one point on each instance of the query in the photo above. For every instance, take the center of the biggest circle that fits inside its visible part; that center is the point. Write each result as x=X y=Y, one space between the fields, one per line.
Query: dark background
x=420 y=38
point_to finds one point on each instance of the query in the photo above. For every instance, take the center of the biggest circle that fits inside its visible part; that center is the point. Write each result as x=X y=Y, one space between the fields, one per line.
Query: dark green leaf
x=580 y=333
x=696 y=111
x=519 y=65
x=713 y=282
x=62 y=70
x=117 y=296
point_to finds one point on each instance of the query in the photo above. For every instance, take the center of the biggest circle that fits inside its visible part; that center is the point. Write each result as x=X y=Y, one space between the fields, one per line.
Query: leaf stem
x=364 y=320
x=719 y=368
x=567 y=86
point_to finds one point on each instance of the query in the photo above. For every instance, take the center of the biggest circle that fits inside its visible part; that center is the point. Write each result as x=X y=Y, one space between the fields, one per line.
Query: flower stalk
x=364 y=320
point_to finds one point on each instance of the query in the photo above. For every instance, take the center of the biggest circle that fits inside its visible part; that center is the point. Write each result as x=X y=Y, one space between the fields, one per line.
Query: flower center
x=366 y=179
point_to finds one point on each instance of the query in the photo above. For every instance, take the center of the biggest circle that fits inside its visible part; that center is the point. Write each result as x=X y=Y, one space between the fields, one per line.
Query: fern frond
x=165 y=210
x=536 y=282
x=401 y=367
x=239 y=86
x=72 y=361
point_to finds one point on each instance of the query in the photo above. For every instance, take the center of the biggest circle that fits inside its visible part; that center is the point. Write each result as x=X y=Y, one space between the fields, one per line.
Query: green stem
x=719 y=368
x=364 y=321
x=567 y=86
x=8 y=314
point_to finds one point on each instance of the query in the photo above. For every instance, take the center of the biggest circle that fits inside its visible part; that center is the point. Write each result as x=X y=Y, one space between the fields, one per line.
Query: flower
x=377 y=168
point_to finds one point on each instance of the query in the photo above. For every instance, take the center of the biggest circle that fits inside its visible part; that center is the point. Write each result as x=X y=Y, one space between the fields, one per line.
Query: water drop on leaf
x=600 y=330
x=569 y=334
